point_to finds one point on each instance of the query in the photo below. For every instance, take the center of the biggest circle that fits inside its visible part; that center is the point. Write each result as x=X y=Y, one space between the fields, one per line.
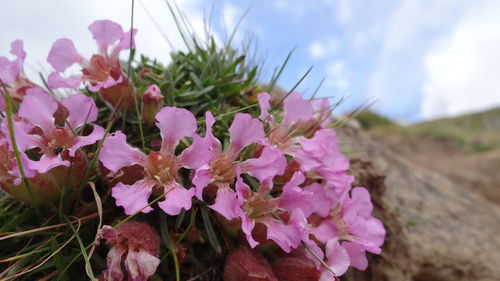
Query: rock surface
x=437 y=230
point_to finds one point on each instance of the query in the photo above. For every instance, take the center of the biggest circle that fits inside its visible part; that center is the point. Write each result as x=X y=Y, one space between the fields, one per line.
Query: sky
x=416 y=60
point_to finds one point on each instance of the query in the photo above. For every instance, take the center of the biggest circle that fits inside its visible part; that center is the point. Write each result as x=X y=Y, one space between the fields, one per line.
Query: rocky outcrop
x=437 y=230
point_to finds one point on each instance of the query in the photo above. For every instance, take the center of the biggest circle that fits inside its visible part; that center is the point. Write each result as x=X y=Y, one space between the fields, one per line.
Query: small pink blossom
x=41 y=131
x=259 y=207
x=218 y=167
x=103 y=70
x=135 y=245
x=160 y=168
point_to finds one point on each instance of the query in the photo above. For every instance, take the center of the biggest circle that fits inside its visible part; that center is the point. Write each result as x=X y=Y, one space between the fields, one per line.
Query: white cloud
x=231 y=16
x=337 y=75
x=463 y=70
x=317 y=49
x=322 y=48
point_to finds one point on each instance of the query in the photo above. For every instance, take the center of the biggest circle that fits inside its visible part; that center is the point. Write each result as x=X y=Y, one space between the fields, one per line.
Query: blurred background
x=419 y=60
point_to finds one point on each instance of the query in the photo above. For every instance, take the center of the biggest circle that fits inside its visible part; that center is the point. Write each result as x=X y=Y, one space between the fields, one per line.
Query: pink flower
x=11 y=73
x=320 y=157
x=136 y=245
x=296 y=110
x=260 y=207
x=42 y=131
x=160 y=168
x=218 y=167
x=352 y=224
x=103 y=70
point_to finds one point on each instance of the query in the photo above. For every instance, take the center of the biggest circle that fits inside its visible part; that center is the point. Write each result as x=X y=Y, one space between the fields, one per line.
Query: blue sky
x=418 y=59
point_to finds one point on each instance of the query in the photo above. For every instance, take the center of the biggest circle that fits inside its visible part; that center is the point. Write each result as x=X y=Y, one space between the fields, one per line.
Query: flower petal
x=105 y=32
x=294 y=197
x=338 y=258
x=226 y=203
x=82 y=141
x=63 y=54
x=46 y=163
x=270 y=163
x=56 y=81
x=114 y=261
x=116 y=153
x=176 y=199
x=201 y=179
x=124 y=43
x=82 y=109
x=244 y=130
x=140 y=265
x=297 y=109
x=247 y=225
x=357 y=255
x=174 y=123
x=133 y=197
x=264 y=105
x=39 y=108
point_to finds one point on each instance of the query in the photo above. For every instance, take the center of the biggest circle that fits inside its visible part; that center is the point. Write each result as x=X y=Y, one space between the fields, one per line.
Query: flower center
x=60 y=139
x=223 y=169
x=161 y=168
x=257 y=205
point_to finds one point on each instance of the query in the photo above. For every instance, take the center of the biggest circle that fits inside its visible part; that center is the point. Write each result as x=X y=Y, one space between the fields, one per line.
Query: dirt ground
x=479 y=172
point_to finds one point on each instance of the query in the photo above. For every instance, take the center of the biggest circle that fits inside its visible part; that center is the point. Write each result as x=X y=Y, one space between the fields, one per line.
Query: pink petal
x=174 y=123
x=357 y=255
x=82 y=141
x=8 y=74
x=110 y=81
x=133 y=197
x=297 y=109
x=140 y=265
x=116 y=153
x=323 y=198
x=247 y=225
x=24 y=140
x=114 y=261
x=338 y=258
x=63 y=54
x=202 y=150
x=201 y=179
x=270 y=163
x=360 y=203
x=294 y=197
x=82 y=109
x=17 y=49
x=125 y=42
x=176 y=199
x=325 y=231
x=244 y=131
x=46 y=163
x=105 y=32
x=264 y=105
x=197 y=154
x=226 y=203
x=287 y=236
x=56 y=81
x=39 y=108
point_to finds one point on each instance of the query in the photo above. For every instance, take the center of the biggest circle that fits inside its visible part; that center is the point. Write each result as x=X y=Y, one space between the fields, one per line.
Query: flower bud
x=136 y=245
x=245 y=264
x=296 y=267
x=152 y=102
x=120 y=95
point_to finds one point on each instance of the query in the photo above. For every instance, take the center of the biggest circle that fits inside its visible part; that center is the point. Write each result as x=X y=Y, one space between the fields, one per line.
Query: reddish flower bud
x=136 y=245
x=152 y=102
x=245 y=264
x=296 y=267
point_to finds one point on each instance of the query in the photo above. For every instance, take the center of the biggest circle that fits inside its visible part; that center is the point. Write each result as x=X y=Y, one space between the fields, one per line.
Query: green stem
x=10 y=122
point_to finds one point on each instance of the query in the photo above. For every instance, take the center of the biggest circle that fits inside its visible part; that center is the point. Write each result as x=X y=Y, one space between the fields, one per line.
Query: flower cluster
x=281 y=171
x=270 y=173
